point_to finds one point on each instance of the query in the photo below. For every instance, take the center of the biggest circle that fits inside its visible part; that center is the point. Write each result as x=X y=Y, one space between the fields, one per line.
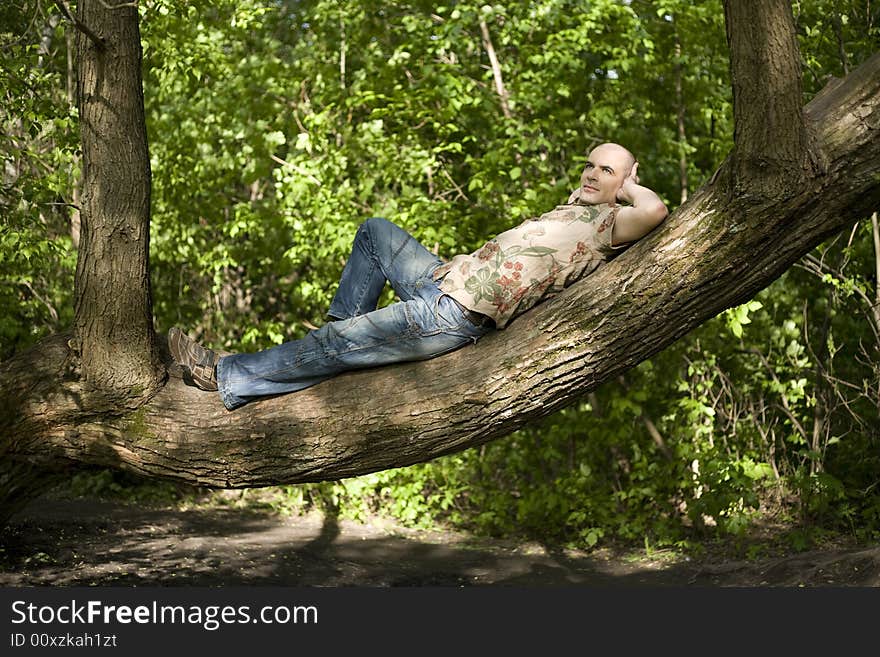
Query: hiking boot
x=199 y=365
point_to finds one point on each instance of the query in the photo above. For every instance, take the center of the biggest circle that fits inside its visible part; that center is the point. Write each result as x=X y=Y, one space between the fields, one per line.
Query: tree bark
x=113 y=322
x=714 y=252
x=770 y=136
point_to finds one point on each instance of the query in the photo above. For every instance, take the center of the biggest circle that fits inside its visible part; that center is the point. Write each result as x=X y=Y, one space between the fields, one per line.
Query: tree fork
x=113 y=322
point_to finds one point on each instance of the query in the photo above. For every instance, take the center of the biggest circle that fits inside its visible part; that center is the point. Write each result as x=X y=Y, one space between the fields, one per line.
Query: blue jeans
x=423 y=324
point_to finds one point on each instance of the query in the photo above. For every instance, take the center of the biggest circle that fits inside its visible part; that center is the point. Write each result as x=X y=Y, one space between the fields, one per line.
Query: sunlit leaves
x=737 y=317
x=38 y=139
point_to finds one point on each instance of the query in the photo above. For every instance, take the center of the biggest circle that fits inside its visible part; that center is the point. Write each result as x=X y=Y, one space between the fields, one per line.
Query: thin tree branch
x=875 y=232
x=652 y=429
x=812 y=264
x=58 y=203
x=52 y=312
x=657 y=437
x=681 y=110
x=82 y=27
x=342 y=47
x=296 y=168
x=26 y=33
x=784 y=400
x=496 y=68
x=458 y=188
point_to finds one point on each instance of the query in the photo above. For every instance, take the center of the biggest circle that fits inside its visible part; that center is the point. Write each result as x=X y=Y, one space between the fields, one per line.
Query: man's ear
x=634 y=172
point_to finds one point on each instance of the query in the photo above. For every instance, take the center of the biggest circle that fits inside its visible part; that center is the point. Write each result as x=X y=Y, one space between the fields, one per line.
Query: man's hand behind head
x=625 y=193
x=645 y=212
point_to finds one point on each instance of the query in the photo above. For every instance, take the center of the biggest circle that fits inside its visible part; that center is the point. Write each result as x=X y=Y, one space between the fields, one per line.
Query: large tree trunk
x=730 y=240
x=114 y=337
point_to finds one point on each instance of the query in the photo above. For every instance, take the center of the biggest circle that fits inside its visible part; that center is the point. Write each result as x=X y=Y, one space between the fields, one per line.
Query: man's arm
x=645 y=212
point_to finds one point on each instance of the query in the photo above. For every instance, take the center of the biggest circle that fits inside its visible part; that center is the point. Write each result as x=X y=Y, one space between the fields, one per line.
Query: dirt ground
x=85 y=542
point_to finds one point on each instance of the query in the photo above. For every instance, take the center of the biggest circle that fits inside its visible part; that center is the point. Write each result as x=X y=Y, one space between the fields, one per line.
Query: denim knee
x=373 y=225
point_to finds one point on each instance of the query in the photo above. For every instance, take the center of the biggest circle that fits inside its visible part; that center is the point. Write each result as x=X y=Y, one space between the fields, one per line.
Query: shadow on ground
x=91 y=543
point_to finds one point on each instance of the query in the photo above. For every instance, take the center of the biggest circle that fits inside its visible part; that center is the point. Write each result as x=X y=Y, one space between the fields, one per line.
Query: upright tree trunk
x=113 y=322
x=770 y=152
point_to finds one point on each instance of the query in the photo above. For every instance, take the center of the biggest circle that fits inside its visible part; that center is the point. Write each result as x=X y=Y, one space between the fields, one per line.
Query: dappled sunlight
x=90 y=543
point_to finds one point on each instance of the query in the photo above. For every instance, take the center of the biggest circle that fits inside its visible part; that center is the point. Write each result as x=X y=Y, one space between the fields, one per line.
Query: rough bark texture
x=715 y=252
x=113 y=313
x=770 y=154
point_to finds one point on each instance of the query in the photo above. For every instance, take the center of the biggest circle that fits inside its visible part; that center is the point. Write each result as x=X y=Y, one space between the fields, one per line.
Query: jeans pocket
x=453 y=316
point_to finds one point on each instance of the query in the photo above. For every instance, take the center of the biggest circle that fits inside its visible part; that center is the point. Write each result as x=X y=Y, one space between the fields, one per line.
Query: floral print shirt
x=529 y=263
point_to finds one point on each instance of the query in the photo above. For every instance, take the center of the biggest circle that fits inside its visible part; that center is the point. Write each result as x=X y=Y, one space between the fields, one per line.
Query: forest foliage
x=276 y=127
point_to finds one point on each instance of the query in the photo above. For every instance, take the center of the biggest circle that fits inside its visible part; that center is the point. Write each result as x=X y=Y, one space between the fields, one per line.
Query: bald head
x=607 y=167
x=618 y=151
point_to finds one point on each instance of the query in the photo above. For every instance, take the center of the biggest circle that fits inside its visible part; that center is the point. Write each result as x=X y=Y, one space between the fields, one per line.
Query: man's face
x=606 y=169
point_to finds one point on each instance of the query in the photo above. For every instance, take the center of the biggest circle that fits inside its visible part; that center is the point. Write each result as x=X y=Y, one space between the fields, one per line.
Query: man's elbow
x=660 y=212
